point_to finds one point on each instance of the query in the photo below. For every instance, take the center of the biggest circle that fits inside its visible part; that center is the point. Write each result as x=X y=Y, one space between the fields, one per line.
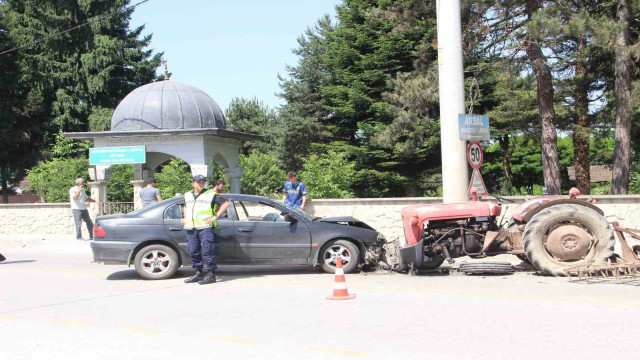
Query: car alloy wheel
x=345 y=250
x=156 y=262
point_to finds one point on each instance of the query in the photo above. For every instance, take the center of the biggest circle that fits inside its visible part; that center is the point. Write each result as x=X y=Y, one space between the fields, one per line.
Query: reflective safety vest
x=197 y=210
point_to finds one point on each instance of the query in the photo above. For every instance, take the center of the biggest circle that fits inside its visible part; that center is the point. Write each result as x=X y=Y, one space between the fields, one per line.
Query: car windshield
x=299 y=212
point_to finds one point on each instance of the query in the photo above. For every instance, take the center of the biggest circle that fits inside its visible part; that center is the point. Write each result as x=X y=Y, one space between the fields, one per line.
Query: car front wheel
x=345 y=250
x=156 y=262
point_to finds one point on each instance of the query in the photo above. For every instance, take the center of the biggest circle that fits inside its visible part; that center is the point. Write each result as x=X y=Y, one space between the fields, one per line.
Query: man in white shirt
x=77 y=197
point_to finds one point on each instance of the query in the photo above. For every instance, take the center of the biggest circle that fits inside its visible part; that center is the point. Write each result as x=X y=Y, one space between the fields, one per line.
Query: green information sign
x=117 y=155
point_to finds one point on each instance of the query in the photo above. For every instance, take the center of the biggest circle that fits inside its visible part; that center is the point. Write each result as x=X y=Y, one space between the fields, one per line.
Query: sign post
x=118 y=155
x=475 y=156
x=473 y=127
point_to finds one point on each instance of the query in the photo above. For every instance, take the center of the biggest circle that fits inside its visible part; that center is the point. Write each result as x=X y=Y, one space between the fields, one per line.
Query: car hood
x=346 y=220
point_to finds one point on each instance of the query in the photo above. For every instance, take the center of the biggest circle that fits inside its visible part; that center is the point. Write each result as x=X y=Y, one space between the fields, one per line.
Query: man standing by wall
x=77 y=198
x=203 y=207
x=150 y=194
x=295 y=193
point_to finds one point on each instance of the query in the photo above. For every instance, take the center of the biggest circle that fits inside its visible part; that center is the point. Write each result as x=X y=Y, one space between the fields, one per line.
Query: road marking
x=68 y=323
x=234 y=340
x=337 y=351
x=7 y=317
x=139 y=330
x=446 y=293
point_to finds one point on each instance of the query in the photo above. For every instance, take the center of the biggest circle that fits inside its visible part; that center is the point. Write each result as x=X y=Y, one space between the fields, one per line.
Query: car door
x=225 y=242
x=262 y=233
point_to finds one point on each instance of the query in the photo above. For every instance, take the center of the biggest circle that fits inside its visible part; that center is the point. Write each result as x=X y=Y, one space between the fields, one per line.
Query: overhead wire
x=73 y=28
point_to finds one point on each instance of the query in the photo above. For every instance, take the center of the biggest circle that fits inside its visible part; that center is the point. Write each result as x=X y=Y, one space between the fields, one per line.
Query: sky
x=229 y=48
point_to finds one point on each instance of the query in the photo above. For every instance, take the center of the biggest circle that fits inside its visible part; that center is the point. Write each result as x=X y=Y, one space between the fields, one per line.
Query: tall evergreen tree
x=344 y=72
x=82 y=74
x=20 y=116
x=253 y=117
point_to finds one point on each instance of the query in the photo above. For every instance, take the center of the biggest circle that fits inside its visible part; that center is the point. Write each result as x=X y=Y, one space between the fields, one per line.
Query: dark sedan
x=254 y=230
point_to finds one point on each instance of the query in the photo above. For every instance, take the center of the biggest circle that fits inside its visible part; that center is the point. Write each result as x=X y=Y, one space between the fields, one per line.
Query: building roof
x=167 y=105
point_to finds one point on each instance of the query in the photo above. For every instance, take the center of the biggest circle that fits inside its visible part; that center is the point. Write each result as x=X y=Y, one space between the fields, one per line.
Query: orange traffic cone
x=340 y=286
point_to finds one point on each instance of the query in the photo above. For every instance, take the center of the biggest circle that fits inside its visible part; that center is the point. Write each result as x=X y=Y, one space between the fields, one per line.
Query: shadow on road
x=226 y=272
x=17 y=262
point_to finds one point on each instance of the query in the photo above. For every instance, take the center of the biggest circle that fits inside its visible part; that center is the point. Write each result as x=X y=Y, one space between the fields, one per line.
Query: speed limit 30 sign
x=475 y=155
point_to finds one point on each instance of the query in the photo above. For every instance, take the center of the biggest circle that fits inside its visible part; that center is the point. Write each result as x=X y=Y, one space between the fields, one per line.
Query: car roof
x=241 y=197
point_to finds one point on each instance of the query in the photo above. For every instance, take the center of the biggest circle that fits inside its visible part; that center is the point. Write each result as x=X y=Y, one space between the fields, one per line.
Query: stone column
x=234 y=175
x=98 y=192
x=137 y=186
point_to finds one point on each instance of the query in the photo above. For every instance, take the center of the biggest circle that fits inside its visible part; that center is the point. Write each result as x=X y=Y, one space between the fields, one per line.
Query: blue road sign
x=117 y=155
x=473 y=127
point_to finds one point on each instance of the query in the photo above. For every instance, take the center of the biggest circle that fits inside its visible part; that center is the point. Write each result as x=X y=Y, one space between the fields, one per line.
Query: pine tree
x=20 y=116
x=85 y=72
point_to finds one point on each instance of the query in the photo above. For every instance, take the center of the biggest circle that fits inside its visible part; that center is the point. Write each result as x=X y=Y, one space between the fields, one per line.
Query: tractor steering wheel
x=501 y=198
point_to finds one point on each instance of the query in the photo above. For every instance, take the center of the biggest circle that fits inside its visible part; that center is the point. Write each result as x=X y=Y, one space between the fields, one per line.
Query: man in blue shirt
x=295 y=193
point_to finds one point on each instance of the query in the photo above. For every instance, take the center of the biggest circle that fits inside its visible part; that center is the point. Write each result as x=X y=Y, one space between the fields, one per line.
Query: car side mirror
x=290 y=218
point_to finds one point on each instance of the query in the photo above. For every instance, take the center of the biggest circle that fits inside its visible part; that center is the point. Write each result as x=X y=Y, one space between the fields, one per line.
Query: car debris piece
x=488 y=267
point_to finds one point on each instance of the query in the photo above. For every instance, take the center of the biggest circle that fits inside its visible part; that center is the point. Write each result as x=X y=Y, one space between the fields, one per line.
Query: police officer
x=202 y=208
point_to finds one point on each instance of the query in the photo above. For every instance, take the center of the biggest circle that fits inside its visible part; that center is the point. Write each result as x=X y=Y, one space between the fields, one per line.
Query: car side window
x=253 y=211
x=174 y=212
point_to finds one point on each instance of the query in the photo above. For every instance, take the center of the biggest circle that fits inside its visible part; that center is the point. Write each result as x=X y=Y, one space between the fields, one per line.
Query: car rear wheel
x=156 y=262
x=345 y=250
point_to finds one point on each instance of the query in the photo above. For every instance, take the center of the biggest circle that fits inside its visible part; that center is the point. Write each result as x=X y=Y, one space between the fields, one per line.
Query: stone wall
x=381 y=214
x=384 y=214
x=39 y=219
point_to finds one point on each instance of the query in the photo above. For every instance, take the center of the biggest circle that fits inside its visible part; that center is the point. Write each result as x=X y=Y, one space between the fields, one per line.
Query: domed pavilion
x=171 y=120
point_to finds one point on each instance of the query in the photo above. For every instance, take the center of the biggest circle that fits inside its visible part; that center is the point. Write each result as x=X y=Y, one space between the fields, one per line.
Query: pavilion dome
x=165 y=105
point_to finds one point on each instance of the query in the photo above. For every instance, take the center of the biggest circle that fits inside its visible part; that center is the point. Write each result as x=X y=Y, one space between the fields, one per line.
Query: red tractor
x=553 y=233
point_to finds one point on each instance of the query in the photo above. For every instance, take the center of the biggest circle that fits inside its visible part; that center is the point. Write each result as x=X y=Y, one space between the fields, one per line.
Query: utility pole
x=455 y=174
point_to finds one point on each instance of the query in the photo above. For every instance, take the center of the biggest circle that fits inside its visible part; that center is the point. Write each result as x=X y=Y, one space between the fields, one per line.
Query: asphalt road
x=56 y=304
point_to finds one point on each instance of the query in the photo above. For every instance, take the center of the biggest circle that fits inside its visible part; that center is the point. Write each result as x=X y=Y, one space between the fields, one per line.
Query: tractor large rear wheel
x=565 y=236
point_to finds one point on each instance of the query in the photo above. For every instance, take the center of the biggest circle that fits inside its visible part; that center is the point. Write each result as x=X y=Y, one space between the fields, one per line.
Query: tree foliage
x=175 y=177
x=80 y=73
x=253 y=117
x=262 y=176
x=328 y=176
x=21 y=115
x=51 y=180
x=119 y=185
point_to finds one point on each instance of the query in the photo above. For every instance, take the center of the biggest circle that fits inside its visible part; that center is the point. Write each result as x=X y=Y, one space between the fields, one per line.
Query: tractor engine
x=457 y=237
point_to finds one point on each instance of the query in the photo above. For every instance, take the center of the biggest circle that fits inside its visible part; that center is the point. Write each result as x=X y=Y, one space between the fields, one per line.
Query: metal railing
x=116 y=208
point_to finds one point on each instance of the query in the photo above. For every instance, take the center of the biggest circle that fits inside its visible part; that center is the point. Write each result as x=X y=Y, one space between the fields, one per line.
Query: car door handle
x=175 y=228
x=245 y=230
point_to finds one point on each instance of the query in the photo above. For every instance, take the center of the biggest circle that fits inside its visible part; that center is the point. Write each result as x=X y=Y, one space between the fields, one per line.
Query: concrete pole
x=455 y=174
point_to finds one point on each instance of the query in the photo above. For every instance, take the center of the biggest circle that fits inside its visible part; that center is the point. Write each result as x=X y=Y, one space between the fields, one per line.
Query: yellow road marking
x=68 y=323
x=447 y=293
x=234 y=340
x=146 y=331
x=337 y=351
x=7 y=317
